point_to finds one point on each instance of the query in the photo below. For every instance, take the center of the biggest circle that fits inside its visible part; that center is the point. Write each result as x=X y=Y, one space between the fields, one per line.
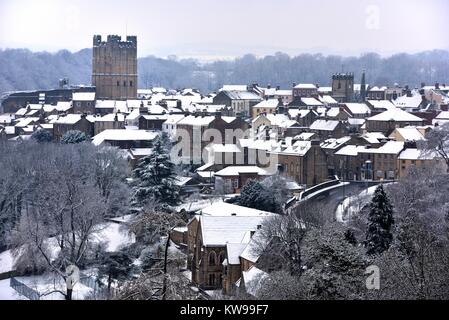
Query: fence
x=23 y=289
x=92 y=283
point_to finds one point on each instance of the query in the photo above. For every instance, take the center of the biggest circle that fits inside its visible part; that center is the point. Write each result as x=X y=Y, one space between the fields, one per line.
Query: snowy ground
x=115 y=235
x=353 y=205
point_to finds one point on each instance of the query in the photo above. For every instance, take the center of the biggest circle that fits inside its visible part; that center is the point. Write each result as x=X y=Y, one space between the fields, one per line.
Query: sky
x=227 y=28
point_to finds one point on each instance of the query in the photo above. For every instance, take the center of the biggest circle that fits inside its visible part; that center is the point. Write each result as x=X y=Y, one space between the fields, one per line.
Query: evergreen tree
x=42 y=135
x=73 y=136
x=154 y=177
x=115 y=265
x=380 y=220
x=252 y=196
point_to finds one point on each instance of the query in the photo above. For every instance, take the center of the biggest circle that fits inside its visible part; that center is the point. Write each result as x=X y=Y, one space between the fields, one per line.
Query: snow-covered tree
x=61 y=200
x=115 y=266
x=155 y=177
x=73 y=136
x=41 y=136
x=380 y=220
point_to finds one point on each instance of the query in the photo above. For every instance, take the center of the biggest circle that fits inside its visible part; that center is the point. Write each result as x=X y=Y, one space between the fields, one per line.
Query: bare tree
x=62 y=208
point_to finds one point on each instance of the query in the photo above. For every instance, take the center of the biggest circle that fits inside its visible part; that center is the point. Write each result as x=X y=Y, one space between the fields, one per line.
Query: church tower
x=114 y=67
x=363 y=87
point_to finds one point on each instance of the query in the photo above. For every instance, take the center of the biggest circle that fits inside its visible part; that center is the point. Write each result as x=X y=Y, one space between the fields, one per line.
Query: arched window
x=212 y=258
x=221 y=257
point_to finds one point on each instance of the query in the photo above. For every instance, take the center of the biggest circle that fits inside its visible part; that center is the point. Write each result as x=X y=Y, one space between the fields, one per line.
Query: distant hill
x=21 y=69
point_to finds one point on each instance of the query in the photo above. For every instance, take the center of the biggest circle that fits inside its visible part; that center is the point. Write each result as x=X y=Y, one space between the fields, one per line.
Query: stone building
x=343 y=87
x=114 y=67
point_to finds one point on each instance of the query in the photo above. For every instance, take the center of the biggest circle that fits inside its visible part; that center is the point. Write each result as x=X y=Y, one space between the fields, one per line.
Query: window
x=211 y=279
x=235 y=183
x=124 y=83
x=118 y=83
x=212 y=258
x=130 y=83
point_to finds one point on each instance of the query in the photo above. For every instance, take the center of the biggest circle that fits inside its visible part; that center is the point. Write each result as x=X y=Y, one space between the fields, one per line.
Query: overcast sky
x=229 y=27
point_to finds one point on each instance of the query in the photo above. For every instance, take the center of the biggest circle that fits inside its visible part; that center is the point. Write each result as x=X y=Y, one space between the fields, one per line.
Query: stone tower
x=343 y=87
x=114 y=67
x=363 y=88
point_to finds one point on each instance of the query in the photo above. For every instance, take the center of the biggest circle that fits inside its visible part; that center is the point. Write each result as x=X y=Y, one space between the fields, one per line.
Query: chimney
x=437 y=86
x=116 y=117
x=423 y=84
x=269 y=86
x=294 y=84
x=218 y=115
x=278 y=87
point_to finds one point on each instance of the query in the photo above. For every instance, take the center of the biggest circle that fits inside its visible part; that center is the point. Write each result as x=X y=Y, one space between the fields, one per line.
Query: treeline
x=22 y=69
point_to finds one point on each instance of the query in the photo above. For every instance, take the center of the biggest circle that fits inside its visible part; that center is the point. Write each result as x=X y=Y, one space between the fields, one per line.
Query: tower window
x=124 y=83
x=130 y=83
x=118 y=83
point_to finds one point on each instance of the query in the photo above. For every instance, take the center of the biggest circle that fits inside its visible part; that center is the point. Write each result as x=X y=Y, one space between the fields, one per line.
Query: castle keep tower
x=114 y=67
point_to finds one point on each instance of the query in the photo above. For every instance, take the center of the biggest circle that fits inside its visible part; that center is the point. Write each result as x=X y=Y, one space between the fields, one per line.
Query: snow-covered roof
x=259 y=144
x=280 y=120
x=21 y=112
x=334 y=143
x=395 y=114
x=324 y=89
x=174 y=118
x=326 y=99
x=298 y=112
x=63 y=106
x=26 y=122
x=382 y=104
x=304 y=136
x=299 y=148
x=358 y=108
x=196 y=121
x=253 y=279
x=222 y=208
x=267 y=104
x=376 y=88
x=356 y=121
x=6 y=118
x=350 y=150
x=141 y=152
x=237 y=170
x=409 y=134
x=412 y=102
x=443 y=115
x=312 y=102
x=283 y=92
x=242 y=95
x=234 y=87
x=72 y=119
x=83 y=96
x=415 y=154
x=233 y=251
x=374 y=137
x=391 y=147
x=324 y=125
x=226 y=148
x=220 y=230
x=305 y=86
x=105 y=104
x=111 y=117
x=123 y=135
